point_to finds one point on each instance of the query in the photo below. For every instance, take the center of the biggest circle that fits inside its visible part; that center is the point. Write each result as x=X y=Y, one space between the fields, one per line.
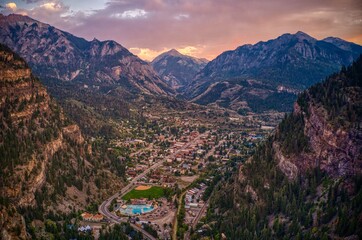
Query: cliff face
x=330 y=114
x=333 y=149
x=43 y=155
x=27 y=114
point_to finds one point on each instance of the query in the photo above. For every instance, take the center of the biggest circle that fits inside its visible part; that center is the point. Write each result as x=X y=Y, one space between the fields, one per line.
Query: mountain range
x=106 y=79
x=268 y=75
x=176 y=69
x=55 y=54
x=95 y=81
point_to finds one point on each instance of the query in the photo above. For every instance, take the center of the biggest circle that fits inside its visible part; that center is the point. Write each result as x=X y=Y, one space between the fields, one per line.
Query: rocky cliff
x=334 y=150
x=330 y=116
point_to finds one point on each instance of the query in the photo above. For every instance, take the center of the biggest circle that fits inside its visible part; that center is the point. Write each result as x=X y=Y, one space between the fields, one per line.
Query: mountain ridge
x=67 y=57
x=288 y=64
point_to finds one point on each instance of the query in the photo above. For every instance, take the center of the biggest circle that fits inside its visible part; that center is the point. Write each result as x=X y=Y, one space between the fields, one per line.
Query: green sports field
x=153 y=193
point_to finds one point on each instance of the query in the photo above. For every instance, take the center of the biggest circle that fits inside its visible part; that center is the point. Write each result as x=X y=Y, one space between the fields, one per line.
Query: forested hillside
x=305 y=181
x=47 y=167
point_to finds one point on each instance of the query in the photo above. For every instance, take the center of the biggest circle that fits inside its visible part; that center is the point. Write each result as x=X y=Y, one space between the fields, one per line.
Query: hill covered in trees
x=305 y=181
x=48 y=169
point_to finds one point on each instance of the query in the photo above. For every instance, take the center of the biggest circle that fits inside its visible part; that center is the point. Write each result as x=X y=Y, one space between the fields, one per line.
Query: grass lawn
x=153 y=192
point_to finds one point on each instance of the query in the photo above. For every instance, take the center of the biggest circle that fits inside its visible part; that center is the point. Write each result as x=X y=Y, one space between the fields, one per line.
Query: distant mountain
x=46 y=163
x=56 y=54
x=305 y=181
x=342 y=44
x=269 y=74
x=93 y=80
x=176 y=69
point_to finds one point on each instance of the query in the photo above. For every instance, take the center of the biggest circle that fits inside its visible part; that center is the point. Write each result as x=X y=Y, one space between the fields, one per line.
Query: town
x=170 y=173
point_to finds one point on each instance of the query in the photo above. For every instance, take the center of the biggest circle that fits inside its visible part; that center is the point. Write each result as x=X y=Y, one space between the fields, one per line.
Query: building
x=87 y=216
x=92 y=218
x=97 y=218
x=84 y=228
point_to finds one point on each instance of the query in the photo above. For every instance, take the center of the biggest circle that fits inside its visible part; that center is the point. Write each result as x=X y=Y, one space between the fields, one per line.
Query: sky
x=200 y=28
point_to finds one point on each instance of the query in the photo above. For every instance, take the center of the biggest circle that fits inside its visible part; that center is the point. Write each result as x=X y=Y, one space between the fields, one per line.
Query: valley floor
x=188 y=154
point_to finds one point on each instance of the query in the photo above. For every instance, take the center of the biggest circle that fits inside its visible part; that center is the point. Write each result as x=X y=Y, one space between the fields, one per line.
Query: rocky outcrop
x=14 y=75
x=337 y=151
x=73 y=133
x=28 y=107
x=11 y=222
x=286 y=164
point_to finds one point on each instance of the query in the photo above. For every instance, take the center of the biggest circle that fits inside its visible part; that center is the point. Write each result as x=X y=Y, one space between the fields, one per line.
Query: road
x=196 y=220
x=103 y=208
x=199 y=215
x=174 y=228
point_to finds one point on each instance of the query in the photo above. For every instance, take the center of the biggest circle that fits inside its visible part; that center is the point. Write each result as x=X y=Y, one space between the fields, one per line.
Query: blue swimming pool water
x=136 y=209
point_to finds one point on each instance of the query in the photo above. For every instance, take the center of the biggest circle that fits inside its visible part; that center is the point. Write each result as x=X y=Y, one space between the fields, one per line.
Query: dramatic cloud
x=209 y=27
x=52 y=6
x=131 y=14
x=11 y=6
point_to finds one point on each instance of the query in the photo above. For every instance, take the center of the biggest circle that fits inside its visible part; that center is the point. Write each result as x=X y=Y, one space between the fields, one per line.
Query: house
x=97 y=218
x=90 y=217
x=87 y=216
x=193 y=205
x=200 y=151
x=186 y=166
x=194 y=134
x=132 y=173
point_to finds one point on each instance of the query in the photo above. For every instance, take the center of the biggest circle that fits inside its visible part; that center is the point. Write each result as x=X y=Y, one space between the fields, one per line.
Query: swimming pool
x=136 y=209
